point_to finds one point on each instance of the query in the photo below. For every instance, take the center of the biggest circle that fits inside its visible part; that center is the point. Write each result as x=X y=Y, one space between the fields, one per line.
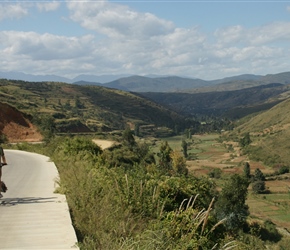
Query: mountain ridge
x=155 y=83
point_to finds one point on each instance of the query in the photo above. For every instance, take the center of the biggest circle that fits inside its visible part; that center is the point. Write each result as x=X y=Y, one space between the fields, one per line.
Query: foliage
x=128 y=138
x=282 y=170
x=164 y=157
x=258 y=182
x=258 y=187
x=126 y=199
x=184 y=148
x=190 y=228
x=258 y=175
x=178 y=163
x=215 y=173
x=245 y=140
x=176 y=189
x=3 y=138
x=135 y=205
x=127 y=155
x=46 y=124
x=247 y=170
x=231 y=203
x=269 y=232
x=79 y=145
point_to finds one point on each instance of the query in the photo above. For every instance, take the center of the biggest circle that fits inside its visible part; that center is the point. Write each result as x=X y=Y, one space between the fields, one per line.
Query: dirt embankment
x=16 y=127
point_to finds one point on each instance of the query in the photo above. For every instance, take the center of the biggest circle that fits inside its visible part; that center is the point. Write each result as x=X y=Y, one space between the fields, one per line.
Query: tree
x=258 y=175
x=258 y=187
x=246 y=140
x=247 y=170
x=184 y=148
x=258 y=182
x=164 y=156
x=178 y=163
x=128 y=137
x=46 y=124
x=78 y=103
x=231 y=203
x=137 y=129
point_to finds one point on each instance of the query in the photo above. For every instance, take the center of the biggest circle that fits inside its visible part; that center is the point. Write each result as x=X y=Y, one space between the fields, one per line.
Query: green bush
x=269 y=232
x=258 y=187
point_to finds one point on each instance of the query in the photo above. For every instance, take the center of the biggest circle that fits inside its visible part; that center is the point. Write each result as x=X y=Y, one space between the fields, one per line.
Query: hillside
x=270 y=133
x=77 y=108
x=157 y=84
x=16 y=127
x=233 y=104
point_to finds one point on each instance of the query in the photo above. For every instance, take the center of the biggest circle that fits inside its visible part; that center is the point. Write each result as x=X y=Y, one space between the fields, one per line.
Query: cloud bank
x=119 y=40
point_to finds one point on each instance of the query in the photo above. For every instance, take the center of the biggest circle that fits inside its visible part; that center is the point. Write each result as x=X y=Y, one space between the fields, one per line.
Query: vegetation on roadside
x=127 y=197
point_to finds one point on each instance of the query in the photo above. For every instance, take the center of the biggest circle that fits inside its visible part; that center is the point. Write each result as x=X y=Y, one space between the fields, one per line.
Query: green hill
x=270 y=133
x=77 y=108
x=233 y=104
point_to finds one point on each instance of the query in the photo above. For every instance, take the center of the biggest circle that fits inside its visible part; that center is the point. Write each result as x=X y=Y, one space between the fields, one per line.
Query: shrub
x=258 y=187
x=269 y=232
x=73 y=146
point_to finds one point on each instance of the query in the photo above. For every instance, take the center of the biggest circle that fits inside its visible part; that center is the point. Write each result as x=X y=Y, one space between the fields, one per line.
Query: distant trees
x=258 y=175
x=178 y=163
x=164 y=156
x=245 y=140
x=171 y=162
x=128 y=137
x=46 y=125
x=184 y=148
x=258 y=182
x=247 y=171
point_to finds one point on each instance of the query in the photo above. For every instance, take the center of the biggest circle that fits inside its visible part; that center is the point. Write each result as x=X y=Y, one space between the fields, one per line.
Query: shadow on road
x=26 y=200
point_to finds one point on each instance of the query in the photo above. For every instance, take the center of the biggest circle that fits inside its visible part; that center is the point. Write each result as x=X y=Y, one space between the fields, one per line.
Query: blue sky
x=202 y=39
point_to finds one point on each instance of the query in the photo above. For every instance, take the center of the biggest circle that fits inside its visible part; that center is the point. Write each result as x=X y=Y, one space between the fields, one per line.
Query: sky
x=200 y=39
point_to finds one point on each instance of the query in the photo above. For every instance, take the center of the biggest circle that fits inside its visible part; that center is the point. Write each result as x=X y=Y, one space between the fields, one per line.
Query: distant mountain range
x=13 y=75
x=152 y=83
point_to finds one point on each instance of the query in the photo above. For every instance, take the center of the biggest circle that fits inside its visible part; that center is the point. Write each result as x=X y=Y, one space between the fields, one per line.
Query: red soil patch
x=16 y=127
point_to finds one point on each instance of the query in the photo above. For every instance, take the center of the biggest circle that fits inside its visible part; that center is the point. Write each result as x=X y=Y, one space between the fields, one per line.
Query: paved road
x=32 y=216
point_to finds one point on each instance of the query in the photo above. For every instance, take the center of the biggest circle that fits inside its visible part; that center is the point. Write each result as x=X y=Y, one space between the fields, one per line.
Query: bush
x=258 y=187
x=215 y=173
x=77 y=145
x=269 y=232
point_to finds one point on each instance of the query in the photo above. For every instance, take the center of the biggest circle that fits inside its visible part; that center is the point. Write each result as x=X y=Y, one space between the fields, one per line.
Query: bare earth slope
x=16 y=127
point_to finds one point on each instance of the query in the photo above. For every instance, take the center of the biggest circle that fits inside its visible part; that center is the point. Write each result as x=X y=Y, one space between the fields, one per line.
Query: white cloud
x=229 y=35
x=12 y=11
x=121 y=40
x=44 y=46
x=274 y=32
x=262 y=35
x=118 y=21
x=44 y=53
x=48 y=6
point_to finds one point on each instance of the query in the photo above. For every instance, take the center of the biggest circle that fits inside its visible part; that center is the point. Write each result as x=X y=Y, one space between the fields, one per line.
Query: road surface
x=32 y=216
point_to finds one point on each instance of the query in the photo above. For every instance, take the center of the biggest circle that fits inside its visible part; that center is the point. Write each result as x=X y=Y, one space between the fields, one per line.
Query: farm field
x=210 y=153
